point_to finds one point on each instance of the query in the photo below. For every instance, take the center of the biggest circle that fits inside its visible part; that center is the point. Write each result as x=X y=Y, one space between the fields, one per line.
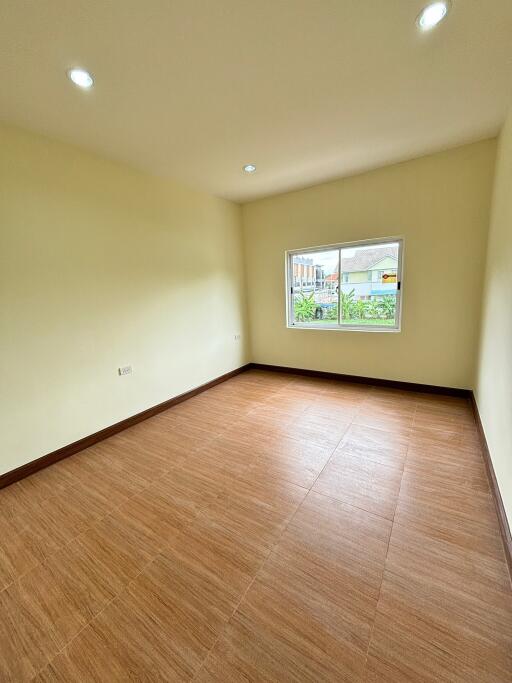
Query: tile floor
x=274 y=528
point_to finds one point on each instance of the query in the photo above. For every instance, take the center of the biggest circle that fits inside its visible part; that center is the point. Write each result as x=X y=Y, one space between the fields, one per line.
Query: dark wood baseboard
x=493 y=483
x=72 y=448
x=390 y=383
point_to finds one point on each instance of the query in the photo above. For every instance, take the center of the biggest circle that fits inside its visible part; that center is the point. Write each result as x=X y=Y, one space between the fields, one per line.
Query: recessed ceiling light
x=249 y=168
x=431 y=15
x=81 y=78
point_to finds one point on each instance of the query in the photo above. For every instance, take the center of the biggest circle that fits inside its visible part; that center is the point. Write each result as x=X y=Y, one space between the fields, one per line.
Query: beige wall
x=440 y=205
x=102 y=266
x=493 y=388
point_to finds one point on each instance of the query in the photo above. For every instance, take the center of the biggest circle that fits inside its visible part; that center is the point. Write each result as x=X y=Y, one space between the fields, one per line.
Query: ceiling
x=308 y=90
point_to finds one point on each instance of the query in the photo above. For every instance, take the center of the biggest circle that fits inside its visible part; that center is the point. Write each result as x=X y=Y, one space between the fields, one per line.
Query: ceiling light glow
x=81 y=78
x=249 y=168
x=431 y=15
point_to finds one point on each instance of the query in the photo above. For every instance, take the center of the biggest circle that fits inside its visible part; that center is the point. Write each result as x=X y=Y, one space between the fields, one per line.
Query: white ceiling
x=308 y=90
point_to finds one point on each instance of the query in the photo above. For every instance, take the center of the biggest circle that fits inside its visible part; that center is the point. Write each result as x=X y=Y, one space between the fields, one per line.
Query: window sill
x=347 y=328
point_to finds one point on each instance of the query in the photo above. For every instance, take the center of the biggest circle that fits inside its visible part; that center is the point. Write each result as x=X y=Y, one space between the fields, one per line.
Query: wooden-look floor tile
x=47 y=608
x=256 y=512
x=391 y=399
x=397 y=654
x=125 y=464
x=426 y=503
x=26 y=643
x=16 y=555
x=449 y=487
x=311 y=386
x=289 y=404
x=63 y=594
x=253 y=443
x=273 y=528
x=470 y=440
x=182 y=603
x=321 y=568
x=273 y=637
x=206 y=559
x=271 y=416
x=334 y=409
x=427 y=631
x=148 y=458
x=202 y=413
x=433 y=436
x=346 y=390
x=48 y=482
x=438 y=455
x=375 y=444
x=56 y=521
x=314 y=580
x=388 y=419
x=366 y=484
x=164 y=508
x=113 y=484
x=265 y=426
x=190 y=437
x=445 y=566
x=317 y=429
x=116 y=549
x=297 y=461
x=331 y=531
x=274 y=495
x=296 y=623
x=23 y=497
x=231 y=450
x=220 y=553
x=125 y=643
x=445 y=475
x=214 y=421
x=220 y=463
x=441 y=418
x=162 y=627
x=386 y=402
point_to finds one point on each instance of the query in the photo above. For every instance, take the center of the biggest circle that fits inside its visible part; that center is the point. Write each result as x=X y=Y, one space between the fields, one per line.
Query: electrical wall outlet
x=125 y=370
x=238 y=336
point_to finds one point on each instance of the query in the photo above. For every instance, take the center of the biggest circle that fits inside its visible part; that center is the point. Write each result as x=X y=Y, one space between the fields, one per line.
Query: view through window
x=354 y=286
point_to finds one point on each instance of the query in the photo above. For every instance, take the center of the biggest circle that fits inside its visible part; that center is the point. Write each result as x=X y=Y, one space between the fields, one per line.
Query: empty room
x=256 y=341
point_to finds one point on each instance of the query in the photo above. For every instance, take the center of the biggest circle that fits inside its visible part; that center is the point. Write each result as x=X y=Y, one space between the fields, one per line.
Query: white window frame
x=291 y=324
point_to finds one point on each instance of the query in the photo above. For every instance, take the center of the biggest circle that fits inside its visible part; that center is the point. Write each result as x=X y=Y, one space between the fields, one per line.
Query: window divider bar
x=339 y=286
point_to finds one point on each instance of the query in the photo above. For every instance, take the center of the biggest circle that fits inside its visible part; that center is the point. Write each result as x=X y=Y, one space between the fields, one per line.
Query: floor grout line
x=370 y=638
x=264 y=562
x=123 y=590
x=95 y=523
x=146 y=566
x=88 y=623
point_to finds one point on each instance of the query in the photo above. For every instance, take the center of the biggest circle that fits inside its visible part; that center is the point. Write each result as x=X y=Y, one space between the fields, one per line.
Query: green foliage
x=371 y=309
x=388 y=306
x=359 y=309
x=304 y=307
x=352 y=309
x=331 y=313
x=347 y=303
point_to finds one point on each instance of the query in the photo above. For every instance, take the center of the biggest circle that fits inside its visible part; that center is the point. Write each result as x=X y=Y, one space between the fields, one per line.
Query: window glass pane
x=315 y=280
x=369 y=285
